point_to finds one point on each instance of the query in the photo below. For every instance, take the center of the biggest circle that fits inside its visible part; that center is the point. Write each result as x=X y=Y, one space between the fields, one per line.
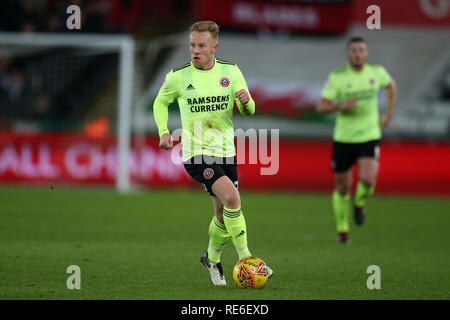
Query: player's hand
x=350 y=104
x=166 y=141
x=243 y=96
x=384 y=121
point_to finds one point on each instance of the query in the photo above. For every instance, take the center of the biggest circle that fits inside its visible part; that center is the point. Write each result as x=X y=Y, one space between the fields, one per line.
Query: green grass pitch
x=147 y=245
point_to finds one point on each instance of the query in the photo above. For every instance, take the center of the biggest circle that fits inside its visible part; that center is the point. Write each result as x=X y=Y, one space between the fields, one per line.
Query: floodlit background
x=77 y=130
x=60 y=96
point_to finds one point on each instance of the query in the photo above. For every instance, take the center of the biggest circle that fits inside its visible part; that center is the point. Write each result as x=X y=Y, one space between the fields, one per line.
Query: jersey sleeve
x=384 y=77
x=239 y=84
x=330 y=90
x=167 y=93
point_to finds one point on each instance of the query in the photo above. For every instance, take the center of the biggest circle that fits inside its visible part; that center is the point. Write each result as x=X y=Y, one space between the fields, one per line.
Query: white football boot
x=269 y=271
x=215 y=270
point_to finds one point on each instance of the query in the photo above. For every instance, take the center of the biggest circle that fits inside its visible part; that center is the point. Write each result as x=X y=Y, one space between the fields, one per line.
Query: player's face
x=357 y=53
x=202 y=47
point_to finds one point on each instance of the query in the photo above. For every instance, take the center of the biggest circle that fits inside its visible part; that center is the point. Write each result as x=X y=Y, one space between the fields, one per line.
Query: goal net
x=66 y=108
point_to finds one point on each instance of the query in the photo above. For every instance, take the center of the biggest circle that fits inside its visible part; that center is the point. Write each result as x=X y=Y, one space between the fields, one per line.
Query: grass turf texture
x=147 y=245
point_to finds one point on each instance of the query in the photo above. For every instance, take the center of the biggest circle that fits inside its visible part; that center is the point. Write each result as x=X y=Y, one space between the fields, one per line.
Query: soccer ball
x=250 y=273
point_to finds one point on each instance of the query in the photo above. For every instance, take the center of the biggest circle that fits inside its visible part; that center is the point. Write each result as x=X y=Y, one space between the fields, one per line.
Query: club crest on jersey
x=224 y=82
x=372 y=81
x=208 y=173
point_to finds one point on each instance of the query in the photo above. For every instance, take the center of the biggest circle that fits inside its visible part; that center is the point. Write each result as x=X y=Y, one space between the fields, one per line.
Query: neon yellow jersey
x=206 y=100
x=362 y=123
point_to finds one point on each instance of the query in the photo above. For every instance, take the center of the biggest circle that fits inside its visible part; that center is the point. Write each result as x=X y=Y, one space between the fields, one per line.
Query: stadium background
x=59 y=126
x=59 y=111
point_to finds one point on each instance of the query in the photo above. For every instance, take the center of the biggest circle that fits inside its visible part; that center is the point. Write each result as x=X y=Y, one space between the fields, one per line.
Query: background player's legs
x=368 y=171
x=218 y=234
x=342 y=202
x=233 y=218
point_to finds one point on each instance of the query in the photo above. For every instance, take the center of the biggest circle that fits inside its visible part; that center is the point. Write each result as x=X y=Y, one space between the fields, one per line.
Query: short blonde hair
x=206 y=26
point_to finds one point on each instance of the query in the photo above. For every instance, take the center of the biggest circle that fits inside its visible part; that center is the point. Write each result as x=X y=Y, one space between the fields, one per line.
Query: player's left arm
x=244 y=101
x=387 y=82
x=391 y=94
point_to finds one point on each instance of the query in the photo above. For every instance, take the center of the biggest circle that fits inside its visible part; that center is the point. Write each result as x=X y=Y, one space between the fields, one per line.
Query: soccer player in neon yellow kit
x=352 y=91
x=206 y=89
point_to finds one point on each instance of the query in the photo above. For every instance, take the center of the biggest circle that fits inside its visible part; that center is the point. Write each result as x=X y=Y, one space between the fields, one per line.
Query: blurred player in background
x=352 y=91
x=206 y=89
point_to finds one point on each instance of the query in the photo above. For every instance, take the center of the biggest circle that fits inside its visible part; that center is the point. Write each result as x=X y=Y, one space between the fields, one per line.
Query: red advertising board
x=417 y=13
x=275 y=15
x=406 y=168
x=77 y=159
x=316 y=17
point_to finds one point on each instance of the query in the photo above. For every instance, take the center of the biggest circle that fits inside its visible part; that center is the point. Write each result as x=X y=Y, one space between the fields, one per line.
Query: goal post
x=124 y=45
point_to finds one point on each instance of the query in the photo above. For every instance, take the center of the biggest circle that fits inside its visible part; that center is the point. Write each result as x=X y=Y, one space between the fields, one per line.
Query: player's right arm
x=167 y=93
x=325 y=105
x=329 y=94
